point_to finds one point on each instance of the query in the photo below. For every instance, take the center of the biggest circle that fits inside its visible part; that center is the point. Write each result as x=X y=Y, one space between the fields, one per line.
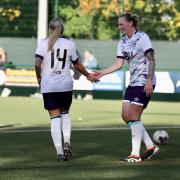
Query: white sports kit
x=56 y=74
x=134 y=50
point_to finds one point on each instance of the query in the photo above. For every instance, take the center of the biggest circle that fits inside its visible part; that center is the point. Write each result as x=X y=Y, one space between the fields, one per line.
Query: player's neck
x=131 y=32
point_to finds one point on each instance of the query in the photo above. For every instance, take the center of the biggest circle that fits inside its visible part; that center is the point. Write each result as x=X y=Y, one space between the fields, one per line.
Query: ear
x=131 y=23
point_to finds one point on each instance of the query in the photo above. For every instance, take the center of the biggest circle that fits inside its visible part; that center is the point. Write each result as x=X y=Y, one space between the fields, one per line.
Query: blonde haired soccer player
x=53 y=58
x=136 y=48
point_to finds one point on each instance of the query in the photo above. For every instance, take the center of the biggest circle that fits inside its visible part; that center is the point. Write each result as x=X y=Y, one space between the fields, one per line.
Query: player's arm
x=79 y=67
x=38 y=64
x=151 y=68
x=148 y=88
x=116 y=66
x=39 y=55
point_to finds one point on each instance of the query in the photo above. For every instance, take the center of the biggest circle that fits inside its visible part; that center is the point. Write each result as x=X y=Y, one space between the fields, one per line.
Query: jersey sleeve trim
x=148 y=50
x=75 y=61
x=39 y=56
x=121 y=57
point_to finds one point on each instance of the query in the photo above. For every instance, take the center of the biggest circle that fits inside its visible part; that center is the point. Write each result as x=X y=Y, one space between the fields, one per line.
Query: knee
x=125 y=116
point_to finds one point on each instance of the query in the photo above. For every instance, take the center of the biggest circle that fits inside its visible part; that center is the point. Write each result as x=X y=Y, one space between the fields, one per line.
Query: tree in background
x=159 y=18
x=94 y=19
x=104 y=14
x=18 y=18
x=97 y=19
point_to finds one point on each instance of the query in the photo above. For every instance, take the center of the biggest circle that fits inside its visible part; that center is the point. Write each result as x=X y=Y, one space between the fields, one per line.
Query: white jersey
x=134 y=50
x=55 y=73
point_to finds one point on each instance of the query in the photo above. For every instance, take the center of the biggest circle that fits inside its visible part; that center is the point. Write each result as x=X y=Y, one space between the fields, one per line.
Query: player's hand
x=148 y=88
x=92 y=77
x=98 y=74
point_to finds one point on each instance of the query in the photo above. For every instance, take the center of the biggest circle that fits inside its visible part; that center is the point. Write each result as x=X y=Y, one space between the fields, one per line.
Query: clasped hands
x=94 y=76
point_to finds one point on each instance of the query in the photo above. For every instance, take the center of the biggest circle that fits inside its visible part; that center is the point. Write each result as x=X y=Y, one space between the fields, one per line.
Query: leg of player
x=56 y=133
x=146 y=139
x=152 y=149
x=66 y=131
x=131 y=115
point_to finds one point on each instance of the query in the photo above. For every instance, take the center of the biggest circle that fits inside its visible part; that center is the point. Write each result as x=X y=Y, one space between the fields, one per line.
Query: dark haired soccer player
x=136 y=48
x=54 y=56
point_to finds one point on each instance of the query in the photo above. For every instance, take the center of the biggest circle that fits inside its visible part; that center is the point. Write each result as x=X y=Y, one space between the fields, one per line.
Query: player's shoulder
x=43 y=41
x=142 y=34
x=67 y=41
x=143 y=37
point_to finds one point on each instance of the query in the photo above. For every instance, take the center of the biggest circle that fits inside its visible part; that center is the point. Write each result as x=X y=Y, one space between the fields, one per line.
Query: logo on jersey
x=136 y=99
x=129 y=55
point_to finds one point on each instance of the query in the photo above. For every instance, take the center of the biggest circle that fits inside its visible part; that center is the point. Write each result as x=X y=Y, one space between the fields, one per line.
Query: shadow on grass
x=9 y=125
x=96 y=155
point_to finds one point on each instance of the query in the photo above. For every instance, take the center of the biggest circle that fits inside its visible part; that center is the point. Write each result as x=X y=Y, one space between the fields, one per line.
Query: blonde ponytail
x=57 y=27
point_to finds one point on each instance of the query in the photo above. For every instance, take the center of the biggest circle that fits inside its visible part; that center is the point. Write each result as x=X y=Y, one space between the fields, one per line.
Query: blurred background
x=92 y=24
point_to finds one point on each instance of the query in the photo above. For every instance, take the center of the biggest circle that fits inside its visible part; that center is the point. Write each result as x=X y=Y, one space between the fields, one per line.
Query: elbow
x=75 y=66
x=37 y=66
x=118 y=66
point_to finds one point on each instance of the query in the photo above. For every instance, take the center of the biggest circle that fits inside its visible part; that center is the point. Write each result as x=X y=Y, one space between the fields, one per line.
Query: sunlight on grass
x=21 y=112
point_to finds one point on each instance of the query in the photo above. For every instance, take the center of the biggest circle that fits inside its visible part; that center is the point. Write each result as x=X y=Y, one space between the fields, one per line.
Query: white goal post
x=42 y=30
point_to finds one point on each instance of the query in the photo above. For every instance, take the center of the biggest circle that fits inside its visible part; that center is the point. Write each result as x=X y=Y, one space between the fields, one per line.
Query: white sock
x=146 y=139
x=56 y=134
x=66 y=127
x=136 y=132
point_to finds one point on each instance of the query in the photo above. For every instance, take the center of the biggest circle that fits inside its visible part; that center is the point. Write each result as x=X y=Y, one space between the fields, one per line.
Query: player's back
x=56 y=75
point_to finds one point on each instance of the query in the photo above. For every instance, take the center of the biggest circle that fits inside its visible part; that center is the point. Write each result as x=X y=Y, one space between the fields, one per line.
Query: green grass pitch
x=27 y=154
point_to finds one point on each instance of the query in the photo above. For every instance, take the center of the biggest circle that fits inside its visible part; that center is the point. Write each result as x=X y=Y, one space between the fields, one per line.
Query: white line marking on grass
x=87 y=129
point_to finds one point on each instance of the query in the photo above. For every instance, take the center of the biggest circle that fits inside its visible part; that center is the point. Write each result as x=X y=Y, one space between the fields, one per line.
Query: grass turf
x=96 y=154
x=21 y=113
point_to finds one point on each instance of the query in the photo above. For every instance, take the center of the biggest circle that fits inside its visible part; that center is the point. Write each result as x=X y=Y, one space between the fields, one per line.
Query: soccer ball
x=160 y=137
